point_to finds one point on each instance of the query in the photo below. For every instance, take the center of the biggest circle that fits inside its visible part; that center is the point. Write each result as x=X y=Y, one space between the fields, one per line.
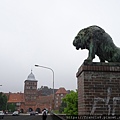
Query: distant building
x=45 y=91
x=17 y=99
x=30 y=93
x=34 y=99
x=59 y=95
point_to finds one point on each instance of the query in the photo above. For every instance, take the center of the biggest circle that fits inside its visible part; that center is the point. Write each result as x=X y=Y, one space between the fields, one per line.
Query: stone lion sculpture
x=99 y=43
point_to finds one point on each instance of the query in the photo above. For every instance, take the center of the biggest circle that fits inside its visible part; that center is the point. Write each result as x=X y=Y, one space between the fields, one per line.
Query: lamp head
x=36 y=65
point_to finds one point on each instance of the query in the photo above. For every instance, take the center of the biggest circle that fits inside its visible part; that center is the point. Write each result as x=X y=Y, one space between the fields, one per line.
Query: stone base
x=99 y=89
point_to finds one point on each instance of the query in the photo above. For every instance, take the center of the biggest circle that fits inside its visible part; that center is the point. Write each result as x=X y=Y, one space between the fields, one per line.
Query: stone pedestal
x=99 y=89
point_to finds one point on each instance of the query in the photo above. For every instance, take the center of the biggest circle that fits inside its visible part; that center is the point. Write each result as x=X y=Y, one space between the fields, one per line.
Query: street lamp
x=53 y=81
x=0 y=85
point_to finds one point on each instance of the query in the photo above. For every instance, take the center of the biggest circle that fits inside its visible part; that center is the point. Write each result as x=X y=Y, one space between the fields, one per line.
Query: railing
x=57 y=117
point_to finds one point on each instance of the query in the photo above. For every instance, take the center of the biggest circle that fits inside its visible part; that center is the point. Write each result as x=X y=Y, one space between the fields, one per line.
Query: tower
x=30 y=92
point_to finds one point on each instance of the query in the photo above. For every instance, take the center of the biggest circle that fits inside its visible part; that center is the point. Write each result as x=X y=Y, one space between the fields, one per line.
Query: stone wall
x=99 y=89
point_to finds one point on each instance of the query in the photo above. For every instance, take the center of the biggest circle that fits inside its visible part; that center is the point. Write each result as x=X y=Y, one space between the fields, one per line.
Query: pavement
x=26 y=117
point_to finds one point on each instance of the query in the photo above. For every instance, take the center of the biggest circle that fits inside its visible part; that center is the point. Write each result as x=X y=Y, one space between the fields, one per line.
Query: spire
x=31 y=76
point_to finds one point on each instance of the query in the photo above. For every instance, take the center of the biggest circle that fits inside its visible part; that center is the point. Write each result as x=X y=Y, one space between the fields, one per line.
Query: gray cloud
x=41 y=32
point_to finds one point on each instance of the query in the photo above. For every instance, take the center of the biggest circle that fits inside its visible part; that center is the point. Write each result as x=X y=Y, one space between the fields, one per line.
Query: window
x=18 y=104
x=61 y=98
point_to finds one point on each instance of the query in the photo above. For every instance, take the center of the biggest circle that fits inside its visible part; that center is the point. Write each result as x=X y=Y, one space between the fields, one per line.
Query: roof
x=45 y=99
x=16 y=97
x=61 y=91
x=31 y=76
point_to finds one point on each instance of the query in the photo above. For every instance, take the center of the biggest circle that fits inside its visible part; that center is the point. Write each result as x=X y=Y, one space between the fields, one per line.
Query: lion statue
x=99 y=43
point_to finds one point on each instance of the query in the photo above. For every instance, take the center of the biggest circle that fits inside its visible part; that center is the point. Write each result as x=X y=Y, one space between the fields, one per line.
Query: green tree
x=62 y=106
x=3 y=101
x=11 y=107
x=71 y=101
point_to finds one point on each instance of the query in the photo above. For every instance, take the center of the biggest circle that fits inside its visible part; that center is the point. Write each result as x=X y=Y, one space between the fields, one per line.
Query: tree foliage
x=62 y=106
x=71 y=101
x=11 y=107
x=3 y=101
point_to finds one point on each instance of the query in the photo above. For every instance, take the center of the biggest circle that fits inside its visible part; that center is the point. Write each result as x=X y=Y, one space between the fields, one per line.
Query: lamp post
x=0 y=85
x=53 y=80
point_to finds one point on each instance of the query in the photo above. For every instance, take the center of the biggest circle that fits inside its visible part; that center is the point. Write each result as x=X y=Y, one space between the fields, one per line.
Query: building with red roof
x=34 y=99
x=59 y=95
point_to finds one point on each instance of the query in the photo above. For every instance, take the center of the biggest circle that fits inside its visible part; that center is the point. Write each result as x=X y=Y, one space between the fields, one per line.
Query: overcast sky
x=42 y=31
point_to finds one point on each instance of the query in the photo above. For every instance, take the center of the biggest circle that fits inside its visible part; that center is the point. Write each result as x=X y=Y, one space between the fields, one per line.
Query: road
x=25 y=117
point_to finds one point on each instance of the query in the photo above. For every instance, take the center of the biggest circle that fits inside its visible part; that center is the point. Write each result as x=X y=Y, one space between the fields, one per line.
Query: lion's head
x=81 y=40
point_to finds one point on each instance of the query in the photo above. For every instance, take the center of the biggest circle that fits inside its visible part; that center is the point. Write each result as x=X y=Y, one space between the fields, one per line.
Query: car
x=32 y=113
x=36 y=112
x=1 y=114
x=15 y=113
